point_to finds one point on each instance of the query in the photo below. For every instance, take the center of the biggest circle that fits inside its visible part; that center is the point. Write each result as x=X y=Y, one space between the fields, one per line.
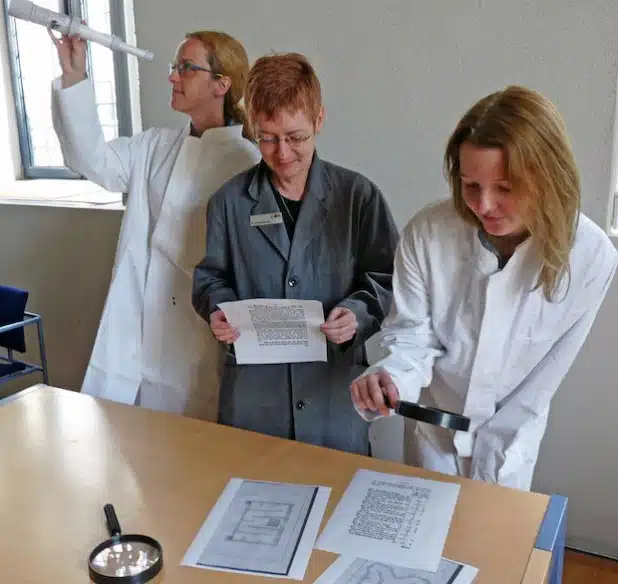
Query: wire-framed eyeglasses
x=185 y=66
x=293 y=140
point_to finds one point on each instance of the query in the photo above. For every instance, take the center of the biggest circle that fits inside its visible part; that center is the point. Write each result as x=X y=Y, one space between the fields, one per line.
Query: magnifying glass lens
x=125 y=558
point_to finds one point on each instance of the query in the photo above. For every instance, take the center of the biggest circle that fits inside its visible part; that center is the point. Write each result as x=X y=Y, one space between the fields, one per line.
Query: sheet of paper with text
x=277 y=331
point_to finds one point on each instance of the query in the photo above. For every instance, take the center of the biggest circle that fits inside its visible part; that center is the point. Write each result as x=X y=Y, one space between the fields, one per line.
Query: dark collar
x=318 y=182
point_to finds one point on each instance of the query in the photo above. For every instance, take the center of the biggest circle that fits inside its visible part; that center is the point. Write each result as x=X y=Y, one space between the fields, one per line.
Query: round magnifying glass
x=434 y=416
x=124 y=559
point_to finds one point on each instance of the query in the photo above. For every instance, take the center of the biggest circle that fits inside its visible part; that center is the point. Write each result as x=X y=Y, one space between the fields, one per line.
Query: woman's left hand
x=340 y=326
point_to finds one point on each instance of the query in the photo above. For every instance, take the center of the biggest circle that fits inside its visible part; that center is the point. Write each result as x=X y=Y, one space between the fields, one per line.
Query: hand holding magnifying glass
x=378 y=393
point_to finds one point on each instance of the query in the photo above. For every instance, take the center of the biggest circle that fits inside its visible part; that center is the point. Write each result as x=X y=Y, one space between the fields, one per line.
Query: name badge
x=266 y=219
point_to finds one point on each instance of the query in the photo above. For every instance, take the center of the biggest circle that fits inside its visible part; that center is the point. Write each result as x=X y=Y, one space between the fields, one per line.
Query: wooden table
x=64 y=455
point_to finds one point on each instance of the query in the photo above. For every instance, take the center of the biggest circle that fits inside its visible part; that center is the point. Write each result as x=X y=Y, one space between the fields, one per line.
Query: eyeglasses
x=184 y=67
x=293 y=141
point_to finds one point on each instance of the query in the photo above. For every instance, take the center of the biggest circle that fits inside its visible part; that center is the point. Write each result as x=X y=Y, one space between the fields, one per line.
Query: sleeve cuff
x=75 y=88
x=218 y=297
x=364 y=319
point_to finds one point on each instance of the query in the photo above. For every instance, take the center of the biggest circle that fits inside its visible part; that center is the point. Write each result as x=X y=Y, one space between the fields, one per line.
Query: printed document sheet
x=262 y=528
x=394 y=519
x=350 y=570
x=277 y=331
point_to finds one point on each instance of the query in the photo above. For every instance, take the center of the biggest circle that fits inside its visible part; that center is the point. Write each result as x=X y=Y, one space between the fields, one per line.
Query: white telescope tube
x=71 y=25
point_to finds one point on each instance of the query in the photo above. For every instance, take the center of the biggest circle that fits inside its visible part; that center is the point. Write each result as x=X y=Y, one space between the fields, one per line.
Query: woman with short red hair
x=333 y=240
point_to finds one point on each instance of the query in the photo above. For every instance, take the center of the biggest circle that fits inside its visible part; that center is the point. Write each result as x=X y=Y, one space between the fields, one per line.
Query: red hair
x=282 y=82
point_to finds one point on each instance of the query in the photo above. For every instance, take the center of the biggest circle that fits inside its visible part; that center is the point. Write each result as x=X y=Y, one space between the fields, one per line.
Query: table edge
x=22 y=393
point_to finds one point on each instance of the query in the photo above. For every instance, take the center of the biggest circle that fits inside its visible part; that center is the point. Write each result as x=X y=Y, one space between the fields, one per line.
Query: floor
x=586 y=569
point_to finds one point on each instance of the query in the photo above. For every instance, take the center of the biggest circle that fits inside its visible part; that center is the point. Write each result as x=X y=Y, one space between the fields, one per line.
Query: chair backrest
x=12 y=307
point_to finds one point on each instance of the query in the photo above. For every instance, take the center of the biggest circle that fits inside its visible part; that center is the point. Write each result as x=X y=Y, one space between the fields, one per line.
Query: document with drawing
x=349 y=570
x=262 y=528
x=277 y=330
x=395 y=519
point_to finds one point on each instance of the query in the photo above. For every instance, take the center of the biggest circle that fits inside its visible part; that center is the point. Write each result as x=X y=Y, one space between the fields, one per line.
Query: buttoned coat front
x=341 y=254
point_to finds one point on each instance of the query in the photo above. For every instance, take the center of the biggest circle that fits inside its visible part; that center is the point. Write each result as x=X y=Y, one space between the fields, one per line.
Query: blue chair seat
x=12 y=308
x=13 y=320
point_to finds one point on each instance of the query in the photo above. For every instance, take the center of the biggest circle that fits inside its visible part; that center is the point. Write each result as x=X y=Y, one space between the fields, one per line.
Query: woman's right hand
x=368 y=393
x=222 y=329
x=72 y=57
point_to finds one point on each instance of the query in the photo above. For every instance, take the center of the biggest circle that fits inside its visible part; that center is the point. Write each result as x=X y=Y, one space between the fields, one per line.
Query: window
x=34 y=64
x=612 y=208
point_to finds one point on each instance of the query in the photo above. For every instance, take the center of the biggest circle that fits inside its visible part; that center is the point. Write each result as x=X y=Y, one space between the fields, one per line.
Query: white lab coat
x=151 y=345
x=482 y=342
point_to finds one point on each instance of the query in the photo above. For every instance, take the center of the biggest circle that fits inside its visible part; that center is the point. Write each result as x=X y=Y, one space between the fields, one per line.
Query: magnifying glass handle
x=113 y=525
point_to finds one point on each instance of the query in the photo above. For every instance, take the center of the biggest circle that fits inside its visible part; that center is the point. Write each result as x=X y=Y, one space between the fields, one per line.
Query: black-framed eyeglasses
x=184 y=67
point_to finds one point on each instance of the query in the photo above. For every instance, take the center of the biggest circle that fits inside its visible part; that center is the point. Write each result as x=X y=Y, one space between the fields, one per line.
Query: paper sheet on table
x=395 y=519
x=277 y=331
x=350 y=570
x=262 y=528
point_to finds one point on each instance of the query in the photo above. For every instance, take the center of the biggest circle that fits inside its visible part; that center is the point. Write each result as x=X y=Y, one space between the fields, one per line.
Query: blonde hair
x=227 y=57
x=539 y=164
x=283 y=82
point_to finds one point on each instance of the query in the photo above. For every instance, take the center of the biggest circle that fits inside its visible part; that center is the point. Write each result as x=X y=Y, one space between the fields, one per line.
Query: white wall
x=63 y=257
x=396 y=76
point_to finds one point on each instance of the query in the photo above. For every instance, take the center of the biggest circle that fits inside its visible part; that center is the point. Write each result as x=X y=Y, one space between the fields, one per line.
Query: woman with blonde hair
x=297 y=227
x=151 y=348
x=494 y=294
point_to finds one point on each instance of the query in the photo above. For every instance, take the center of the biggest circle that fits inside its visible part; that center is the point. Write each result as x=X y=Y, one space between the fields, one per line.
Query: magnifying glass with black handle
x=434 y=416
x=124 y=559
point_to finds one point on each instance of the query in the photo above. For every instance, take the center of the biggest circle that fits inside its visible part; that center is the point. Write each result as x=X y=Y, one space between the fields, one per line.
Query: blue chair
x=13 y=320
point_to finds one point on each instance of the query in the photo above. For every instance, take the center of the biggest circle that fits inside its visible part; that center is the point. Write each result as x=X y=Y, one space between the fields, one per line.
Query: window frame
x=121 y=78
x=611 y=223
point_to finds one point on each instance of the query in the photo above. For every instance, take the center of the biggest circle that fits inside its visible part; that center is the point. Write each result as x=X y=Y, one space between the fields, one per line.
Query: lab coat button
x=292 y=281
x=300 y=404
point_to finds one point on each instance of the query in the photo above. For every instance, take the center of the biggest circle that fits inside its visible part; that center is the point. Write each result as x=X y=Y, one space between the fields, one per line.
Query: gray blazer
x=341 y=254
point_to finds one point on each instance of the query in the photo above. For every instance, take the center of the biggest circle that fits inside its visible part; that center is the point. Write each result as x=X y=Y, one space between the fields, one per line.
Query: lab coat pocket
x=544 y=322
x=535 y=338
x=535 y=333
x=520 y=457
x=527 y=351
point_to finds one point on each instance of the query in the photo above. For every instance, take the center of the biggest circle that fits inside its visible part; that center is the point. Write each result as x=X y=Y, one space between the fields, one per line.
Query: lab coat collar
x=486 y=242
x=218 y=135
x=488 y=256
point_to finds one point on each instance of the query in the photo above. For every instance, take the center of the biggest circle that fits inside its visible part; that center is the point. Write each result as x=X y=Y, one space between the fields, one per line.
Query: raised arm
x=77 y=125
